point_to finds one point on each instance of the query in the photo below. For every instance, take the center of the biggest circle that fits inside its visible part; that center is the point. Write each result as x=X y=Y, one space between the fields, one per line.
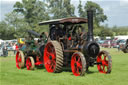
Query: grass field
x=10 y=75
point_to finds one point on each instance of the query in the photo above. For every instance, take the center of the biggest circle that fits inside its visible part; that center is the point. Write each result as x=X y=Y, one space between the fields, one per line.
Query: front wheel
x=53 y=57
x=20 y=59
x=104 y=62
x=78 y=64
x=30 y=64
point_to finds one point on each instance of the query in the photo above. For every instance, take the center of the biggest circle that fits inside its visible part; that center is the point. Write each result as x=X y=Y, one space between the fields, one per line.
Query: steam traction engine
x=66 y=45
x=31 y=51
x=71 y=45
x=124 y=47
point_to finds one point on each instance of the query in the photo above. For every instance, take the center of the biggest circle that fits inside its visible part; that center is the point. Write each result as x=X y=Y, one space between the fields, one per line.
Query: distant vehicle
x=123 y=45
x=9 y=47
x=114 y=44
x=106 y=44
x=1 y=41
x=121 y=37
x=119 y=43
x=100 y=42
x=122 y=42
x=14 y=41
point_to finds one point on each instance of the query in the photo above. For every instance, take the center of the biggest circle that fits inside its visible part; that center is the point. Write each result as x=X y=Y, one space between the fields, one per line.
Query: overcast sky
x=116 y=10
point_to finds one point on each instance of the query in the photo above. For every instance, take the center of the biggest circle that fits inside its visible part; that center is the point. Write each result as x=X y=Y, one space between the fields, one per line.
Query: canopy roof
x=74 y=20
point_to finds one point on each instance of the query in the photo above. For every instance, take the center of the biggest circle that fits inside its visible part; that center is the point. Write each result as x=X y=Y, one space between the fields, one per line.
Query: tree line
x=28 y=13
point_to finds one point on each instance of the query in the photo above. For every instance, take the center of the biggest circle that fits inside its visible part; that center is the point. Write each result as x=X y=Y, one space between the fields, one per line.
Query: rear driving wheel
x=104 y=62
x=53 y=57
x=78 y=64
x=20 y=59
x=30 y=64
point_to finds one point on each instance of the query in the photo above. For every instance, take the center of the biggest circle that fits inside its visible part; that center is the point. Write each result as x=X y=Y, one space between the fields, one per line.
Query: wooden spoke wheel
x=78 y=64
x=104 y=62
x=20 y=59
x=30 y=64
x=53 y=57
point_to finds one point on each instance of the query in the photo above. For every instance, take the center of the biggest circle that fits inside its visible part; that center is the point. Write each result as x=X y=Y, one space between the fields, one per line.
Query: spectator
x=5 y=51
x=118 y=46
x=17 y=48
x=14 y=48
x=109 y=44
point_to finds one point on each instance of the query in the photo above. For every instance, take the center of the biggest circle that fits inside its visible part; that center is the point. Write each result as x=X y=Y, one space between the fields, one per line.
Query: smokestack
x=90 y=25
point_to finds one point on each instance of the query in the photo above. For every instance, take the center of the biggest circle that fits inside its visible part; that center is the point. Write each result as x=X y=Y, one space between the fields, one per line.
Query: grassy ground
x=10 y=75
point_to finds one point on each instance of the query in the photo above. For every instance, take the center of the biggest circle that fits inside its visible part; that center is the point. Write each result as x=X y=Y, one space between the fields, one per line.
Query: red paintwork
x=101 y=67
x=76 y=65
x=38 y=63
x=17 y=48
x=106 y=44
x=28 y=63
x=69 y=38
x=49 y=57
x=18 y=59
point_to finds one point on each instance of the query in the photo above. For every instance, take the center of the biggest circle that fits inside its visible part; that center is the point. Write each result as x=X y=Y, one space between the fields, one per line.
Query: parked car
x=123 y=45
x=122 y=42
x=9 y=47
x=114 y=44
x=107 y=44
x=100 y=42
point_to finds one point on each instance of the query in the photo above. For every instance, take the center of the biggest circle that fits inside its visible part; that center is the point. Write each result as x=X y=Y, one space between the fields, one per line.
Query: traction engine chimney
x=90 y=25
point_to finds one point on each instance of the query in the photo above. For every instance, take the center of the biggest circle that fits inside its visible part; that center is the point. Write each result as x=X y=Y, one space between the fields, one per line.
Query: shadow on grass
x=67 y=69
x=91 y=72
x=40 y=67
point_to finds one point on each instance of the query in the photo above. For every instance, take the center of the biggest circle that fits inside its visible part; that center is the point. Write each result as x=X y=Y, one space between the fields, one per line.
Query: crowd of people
x=5 y=47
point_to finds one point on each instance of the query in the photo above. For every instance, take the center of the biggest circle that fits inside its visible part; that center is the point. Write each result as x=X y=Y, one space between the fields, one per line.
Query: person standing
x=118 y=46
x=17 y=48
x=14 y=48
x=5 y=51
x=109 y=44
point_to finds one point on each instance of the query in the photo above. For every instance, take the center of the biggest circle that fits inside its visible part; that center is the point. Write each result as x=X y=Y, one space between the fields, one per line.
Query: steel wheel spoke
x=103 y=68
x=77 y=64
x=50 y=67
x=48 y=62
x=74 y=59
x=80 y=66
x=48 y=54
x=104 y=58
x=101 y=58
x=77 y=70
x=53 y=56
x=106 y=63
x=78 y=59
x=74 y=69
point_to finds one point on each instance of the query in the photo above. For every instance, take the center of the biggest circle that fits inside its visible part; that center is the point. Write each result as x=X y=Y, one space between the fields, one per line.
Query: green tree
x=80 y=10
x=98 y=12
x=106 y=32
x=61 y=8
x=14 y=26
x=34 y=11
x=14 y=19
x=6 y=31
x=98 y=15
